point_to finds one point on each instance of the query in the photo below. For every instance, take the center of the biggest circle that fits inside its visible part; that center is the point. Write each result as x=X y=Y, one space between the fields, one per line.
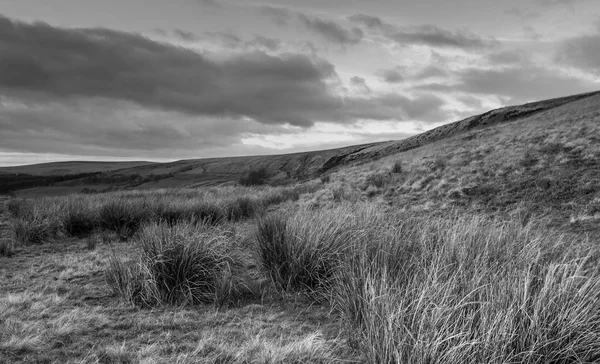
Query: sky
x=181 y=79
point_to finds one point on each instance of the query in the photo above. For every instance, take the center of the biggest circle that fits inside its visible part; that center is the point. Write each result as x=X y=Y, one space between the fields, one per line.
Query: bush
x=255 y=178
x=177 y=265
x=397 y=167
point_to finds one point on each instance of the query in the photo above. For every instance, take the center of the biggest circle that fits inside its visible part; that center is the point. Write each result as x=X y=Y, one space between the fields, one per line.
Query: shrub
x=397 y=167
x=177 y=265
x=255 y=178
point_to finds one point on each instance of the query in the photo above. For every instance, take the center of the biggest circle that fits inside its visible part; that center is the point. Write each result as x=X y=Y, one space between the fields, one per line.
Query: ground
x=55 y=307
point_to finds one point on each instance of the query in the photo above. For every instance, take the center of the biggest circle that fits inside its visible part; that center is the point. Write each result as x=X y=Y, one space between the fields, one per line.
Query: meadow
x=274 y=275
x=479 y=248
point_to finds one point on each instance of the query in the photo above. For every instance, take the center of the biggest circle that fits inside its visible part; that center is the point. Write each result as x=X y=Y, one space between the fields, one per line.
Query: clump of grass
x=181 y=264
x=301 y=253
x=124 y=217
x=79 y=217
x=242 y=207
x=17 y=207
x=469 y=291
x=37 y=224
x=7 y=247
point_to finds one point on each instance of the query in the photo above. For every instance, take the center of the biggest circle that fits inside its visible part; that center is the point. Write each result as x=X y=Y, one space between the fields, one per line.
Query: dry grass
x=477 y=249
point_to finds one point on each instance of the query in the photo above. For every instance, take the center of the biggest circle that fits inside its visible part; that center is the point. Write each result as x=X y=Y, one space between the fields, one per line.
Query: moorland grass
x=181 y=264
x=124 y=212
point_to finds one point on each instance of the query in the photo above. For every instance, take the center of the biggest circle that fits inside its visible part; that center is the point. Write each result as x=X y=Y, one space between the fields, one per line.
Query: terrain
x=285 y=168
x=476 y=242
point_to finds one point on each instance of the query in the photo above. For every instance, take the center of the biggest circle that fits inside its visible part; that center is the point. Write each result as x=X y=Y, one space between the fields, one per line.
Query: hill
x=279 y=168
x=71 y=167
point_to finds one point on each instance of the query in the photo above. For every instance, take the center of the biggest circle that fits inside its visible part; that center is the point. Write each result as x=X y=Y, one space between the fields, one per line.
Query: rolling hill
x=301 y=166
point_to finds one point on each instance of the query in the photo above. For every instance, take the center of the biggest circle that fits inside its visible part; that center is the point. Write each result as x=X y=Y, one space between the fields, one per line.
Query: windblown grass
x=180 y=265
x=468 y=290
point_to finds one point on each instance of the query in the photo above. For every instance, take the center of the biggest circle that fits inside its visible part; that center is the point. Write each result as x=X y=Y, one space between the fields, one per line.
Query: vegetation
x=480 y=248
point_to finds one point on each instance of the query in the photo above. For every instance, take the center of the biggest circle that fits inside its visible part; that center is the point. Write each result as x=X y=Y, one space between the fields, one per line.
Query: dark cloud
x=332 y=31
x=427 y=34
x=392 y=75
x=210 y=3
x=103 y=92
x=231 y=41
x=392 y=106
x=507 y=57
x=280 y=16
x=556 y=2
x=430 y=72
x=65 y=63
x=520 y=83
x=360 y=82
x=581 y=52
x=520 y=13
x=185 y=35
x=368 y=21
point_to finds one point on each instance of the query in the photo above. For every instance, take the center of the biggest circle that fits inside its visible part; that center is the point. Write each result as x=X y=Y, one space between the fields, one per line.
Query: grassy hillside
x=66 y=168
x=473 y=243
x=279 y=168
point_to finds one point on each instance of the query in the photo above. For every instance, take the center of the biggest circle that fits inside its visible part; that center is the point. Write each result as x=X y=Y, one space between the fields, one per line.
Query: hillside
x=73 y=167
x=280 y=168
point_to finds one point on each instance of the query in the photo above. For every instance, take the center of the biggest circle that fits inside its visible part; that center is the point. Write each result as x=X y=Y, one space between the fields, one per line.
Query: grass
x=471 y=291
x=480 y=248
x=180 y=265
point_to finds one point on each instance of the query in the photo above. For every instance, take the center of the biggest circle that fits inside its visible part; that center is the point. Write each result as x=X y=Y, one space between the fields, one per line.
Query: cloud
x=280 y=16
x=65 y=63
x=427 y=34
x=185 y=35
x=581 y=52
x=520 y=83
x=430 y=72
x=332 y=31
x=507 y=57
x=392 y=75
x=519 y=13
x=106 y=92
x=360 y=83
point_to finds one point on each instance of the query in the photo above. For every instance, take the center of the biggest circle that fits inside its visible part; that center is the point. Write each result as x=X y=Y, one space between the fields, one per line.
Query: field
x=477 y=247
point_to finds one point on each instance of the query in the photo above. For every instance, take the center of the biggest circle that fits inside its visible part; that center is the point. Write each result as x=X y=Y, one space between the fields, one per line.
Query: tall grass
x=301 y=253
x=36 y=221
x=468 y=290
x=181 y=264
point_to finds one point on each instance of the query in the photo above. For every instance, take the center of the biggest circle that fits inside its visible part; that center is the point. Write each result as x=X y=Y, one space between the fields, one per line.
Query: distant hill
x=279 y=168
x=71 y=167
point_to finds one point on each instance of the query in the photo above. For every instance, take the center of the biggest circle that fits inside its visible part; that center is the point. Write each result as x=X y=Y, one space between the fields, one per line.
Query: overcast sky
x=165 y=80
